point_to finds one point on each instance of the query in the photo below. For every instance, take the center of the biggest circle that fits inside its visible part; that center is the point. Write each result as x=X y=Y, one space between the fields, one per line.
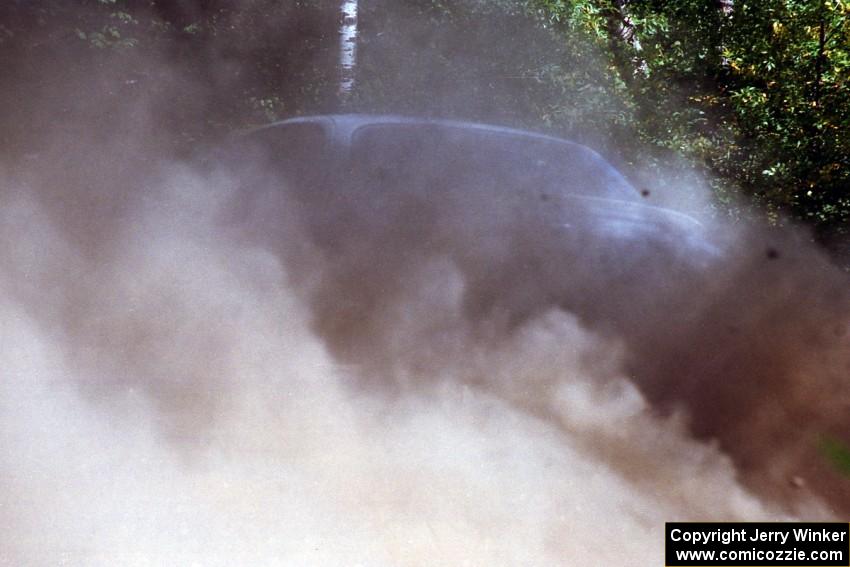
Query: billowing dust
x=172 y=397
x=200 y=369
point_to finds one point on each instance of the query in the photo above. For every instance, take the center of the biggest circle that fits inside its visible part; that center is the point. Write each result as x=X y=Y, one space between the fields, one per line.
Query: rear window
x=295 y=151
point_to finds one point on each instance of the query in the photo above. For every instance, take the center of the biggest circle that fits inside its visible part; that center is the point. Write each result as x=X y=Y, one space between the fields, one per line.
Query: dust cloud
x=204 y=370
x=188 y=415
x=171 y=397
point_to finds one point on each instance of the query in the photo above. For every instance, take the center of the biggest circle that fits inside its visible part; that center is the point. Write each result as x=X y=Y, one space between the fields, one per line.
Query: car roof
x=344 y=125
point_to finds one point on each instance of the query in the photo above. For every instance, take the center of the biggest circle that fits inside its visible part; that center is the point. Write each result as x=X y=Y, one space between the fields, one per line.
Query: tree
x=755 y=92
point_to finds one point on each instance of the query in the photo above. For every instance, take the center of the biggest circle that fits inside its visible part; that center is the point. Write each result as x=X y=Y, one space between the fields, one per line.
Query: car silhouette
x=526 y=221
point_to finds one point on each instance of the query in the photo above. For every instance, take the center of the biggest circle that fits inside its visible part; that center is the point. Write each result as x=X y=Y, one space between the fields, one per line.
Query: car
x=526 y=221
x=418 y=244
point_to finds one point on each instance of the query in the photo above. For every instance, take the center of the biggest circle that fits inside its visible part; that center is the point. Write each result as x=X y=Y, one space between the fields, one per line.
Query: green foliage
x=837 y=453
x=272 y=108
x=755 y=91
x=106 y=37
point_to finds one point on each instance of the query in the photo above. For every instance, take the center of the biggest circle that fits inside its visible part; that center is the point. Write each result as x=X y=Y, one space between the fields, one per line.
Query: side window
x=402 y=157
x=555 y=166
x=431 y=156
